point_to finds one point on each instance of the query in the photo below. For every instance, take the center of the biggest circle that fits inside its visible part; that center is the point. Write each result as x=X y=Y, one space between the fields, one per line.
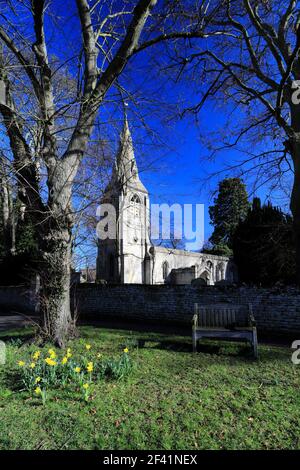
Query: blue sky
x=172 y=163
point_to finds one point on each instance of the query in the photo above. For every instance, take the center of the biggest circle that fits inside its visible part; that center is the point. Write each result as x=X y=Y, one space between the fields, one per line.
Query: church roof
x=125 y=171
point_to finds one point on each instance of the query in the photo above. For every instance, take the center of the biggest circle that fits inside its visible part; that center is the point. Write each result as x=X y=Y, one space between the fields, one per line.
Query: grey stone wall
x=276 y=309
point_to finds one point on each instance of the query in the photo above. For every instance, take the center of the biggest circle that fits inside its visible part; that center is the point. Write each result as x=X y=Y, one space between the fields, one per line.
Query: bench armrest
x=195 y=321
x=252 y=320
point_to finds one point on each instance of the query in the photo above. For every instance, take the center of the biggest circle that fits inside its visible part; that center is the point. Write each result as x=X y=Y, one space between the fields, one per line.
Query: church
x=131 y=257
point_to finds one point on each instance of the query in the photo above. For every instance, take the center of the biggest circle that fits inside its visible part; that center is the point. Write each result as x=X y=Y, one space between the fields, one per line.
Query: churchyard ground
x=219 y=398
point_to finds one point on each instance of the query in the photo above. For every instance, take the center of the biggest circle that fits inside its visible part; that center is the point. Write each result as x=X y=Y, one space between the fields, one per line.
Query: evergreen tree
x=230 y=207
x=263 y=246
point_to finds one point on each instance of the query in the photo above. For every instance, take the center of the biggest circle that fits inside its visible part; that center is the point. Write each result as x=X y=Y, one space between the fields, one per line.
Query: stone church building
x=131 y=258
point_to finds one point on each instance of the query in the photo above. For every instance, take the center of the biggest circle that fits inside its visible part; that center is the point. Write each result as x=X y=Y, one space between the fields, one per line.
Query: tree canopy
x=230 y=207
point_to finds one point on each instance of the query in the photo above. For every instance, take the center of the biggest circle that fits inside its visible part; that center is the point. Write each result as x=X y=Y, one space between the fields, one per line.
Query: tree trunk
x=56 y=247
x=295 y=201
x=55 y=307
x=7 y=213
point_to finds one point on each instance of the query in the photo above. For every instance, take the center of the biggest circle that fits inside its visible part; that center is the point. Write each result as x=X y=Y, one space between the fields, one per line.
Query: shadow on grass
x=217 y=348
x=18 y=341
x=209 y=348
x=18 y=338
x=12 y=381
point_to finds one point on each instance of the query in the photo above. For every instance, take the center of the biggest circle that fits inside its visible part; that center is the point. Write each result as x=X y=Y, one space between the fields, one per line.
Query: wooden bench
x=225 y=321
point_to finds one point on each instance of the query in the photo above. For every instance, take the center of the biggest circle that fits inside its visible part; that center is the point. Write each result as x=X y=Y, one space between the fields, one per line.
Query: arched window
x=209 y=264
x=135 y=199
x=165 y=270
x=220 y=272
x=135 y=203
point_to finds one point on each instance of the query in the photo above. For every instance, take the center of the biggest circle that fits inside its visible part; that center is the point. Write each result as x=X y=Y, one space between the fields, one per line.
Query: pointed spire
x=125 y=170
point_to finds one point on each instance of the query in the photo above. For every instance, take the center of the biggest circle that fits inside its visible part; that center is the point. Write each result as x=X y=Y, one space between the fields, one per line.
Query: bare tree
x=110 y=34
x=250 y=64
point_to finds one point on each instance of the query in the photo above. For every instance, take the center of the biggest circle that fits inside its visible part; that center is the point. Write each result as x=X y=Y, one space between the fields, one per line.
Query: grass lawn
x=217 y=399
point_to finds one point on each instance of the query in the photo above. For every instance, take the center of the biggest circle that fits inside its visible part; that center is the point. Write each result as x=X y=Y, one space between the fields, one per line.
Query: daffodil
x=98 y=355
x=88 y=347
x=52 y=353
x=69 y=354
x=77 y=370
x=37 y=380
x=126 y=350
x=38 y=390
x=21 y=363
x=50 y=361
x=32 y=365
x=36 y=355
x=85 y=386
x=90 y=367
x=64 y=360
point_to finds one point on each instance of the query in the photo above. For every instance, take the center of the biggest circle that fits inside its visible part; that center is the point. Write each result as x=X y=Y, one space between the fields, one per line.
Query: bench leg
x=254 y=343
x=194 y=338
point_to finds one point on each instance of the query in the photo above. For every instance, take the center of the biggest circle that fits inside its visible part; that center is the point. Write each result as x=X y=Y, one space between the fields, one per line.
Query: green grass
x=217 y=399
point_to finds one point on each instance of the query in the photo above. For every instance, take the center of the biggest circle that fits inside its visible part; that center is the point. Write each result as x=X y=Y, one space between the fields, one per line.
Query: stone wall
x=276 y=309
x=14 y=299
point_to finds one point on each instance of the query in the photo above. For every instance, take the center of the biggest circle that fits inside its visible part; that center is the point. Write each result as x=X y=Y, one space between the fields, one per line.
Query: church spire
x=125 y=172
x=125 y=165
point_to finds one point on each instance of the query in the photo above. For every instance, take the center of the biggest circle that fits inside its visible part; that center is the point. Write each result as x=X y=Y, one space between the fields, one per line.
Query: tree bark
x=295 y=201
x=56 y=246
x=55 y=308
x=7 y=212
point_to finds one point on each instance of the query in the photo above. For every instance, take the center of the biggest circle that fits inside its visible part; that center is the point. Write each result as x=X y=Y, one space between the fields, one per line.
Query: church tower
x=126 y=259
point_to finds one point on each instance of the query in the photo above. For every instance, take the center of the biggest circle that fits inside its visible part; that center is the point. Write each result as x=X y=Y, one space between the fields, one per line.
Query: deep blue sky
x=172 y=163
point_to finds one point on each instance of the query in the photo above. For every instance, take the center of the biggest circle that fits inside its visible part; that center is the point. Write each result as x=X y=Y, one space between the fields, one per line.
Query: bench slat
x=222 y=315
x=225 y=321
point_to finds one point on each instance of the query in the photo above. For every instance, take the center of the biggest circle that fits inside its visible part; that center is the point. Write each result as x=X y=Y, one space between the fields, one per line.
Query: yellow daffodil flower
x=85 y=386
x=36 y=355
x=32 y=365
x=50 y=361
x=88 y=347
x=38 y=390
x=126 y=350
x=90 y=367
x=98 y=355
x=21 y=363
x=52 y=353
x=64 y=360
x=77 y=370
x=37 y=380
